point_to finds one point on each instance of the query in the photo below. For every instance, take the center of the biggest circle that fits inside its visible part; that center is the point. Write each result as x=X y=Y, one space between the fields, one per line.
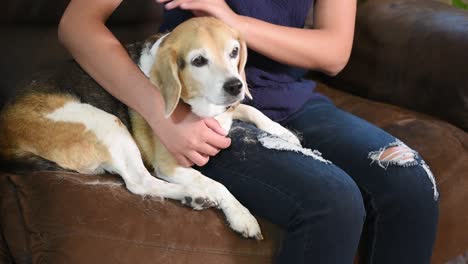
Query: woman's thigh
x=356 y=146
x=278 y=185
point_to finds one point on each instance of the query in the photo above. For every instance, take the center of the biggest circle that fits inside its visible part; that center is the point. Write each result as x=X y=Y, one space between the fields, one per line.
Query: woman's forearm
x=306 y=48
x=97 y=50
x=327 y=47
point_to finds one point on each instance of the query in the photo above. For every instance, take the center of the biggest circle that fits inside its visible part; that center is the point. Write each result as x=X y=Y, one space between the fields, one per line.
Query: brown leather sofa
x=410 y=54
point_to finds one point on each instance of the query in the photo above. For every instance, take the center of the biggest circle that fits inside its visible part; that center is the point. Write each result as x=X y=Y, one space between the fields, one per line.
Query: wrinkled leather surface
x=411 y=53
x=72 y=218
x=12 y=223
x=5 y=256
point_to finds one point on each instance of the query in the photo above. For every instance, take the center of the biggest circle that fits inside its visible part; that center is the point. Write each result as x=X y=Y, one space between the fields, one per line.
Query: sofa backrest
x=50 y=11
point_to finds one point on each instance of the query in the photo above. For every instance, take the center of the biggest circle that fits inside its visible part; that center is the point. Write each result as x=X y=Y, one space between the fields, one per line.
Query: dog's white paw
x=290 y=137
x=243 y=222
x=283 y=133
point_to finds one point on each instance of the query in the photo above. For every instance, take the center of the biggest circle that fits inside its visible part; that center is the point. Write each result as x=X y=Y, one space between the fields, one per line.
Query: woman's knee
x=414 y=192
x=339 y=201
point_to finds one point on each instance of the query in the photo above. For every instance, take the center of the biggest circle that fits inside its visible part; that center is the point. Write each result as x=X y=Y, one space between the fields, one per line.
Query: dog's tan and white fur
x=198 y=63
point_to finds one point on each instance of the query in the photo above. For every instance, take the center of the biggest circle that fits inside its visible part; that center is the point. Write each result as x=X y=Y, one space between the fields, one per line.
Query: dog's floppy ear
x=241 y=65
x=166 y=77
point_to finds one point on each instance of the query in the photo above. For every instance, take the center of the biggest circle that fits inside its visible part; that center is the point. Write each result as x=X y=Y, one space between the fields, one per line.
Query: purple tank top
x=278 y=90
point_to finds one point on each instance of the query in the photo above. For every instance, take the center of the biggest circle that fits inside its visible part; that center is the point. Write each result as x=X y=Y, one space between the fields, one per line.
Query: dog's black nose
x=233 y=86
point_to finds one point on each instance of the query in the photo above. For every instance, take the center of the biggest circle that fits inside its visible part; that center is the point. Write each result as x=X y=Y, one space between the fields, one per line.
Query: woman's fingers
x=183 y=161
x=197 y=158
x=215 y=8
x=171 y=4
x=215 y=126
x=209 y=150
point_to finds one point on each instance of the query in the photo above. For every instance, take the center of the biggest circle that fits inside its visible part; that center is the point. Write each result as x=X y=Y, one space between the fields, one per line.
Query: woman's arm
x=326 y=48
x=83 y=32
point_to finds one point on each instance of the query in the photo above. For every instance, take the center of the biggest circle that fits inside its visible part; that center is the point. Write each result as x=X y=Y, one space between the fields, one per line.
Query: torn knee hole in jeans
x=393 y=155
x=397 y=153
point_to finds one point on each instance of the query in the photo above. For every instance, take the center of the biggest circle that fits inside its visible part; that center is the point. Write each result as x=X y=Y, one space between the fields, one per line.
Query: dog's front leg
x=238 y=217
x=252 y=115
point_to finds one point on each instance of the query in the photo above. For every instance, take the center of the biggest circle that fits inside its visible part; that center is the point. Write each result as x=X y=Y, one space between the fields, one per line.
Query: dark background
x=29 y=43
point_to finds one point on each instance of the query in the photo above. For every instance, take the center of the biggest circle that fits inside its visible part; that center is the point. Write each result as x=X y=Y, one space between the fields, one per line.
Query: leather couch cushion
x=72 y=218
x=12 y=223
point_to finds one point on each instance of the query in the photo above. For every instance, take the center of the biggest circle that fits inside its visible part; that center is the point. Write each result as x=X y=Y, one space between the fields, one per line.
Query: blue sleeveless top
x=278 y=90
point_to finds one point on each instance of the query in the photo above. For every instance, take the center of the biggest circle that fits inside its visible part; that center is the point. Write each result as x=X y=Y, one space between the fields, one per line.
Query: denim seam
x=377 y=216
x=306 y=241
x=298 y=205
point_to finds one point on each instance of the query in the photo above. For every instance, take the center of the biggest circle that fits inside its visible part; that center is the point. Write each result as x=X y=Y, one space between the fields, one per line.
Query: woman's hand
x=189 y=138
x=214 y=8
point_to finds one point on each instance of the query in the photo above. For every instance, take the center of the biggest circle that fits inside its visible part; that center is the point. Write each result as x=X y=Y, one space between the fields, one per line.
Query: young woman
x=376 y=189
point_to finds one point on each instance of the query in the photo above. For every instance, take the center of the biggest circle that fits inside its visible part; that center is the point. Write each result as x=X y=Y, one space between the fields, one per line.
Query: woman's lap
x=248 y=166
x=292 y=191
x=284 y=187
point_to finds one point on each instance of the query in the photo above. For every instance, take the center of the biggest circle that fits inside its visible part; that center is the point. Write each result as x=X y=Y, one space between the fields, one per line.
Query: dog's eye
x=199 y=61
x=234 y=53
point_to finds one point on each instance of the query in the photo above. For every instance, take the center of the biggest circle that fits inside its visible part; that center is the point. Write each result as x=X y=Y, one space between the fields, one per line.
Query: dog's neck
x=148 y=55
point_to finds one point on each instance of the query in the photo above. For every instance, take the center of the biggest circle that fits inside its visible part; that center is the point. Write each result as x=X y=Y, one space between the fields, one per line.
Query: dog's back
x=22 y=122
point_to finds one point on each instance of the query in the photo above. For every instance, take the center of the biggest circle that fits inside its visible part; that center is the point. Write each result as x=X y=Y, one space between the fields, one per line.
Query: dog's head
x=201 y=62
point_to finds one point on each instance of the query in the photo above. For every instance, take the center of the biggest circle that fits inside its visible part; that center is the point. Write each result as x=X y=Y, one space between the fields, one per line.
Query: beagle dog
x=64 y=120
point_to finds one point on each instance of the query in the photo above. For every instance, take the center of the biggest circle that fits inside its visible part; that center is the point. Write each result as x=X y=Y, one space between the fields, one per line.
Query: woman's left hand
x=214 y=8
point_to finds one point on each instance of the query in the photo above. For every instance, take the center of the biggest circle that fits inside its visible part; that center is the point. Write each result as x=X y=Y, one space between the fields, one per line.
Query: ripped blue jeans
x=387 y=204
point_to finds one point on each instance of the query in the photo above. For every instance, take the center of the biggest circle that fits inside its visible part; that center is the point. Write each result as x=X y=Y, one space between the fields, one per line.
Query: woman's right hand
x=190 y=138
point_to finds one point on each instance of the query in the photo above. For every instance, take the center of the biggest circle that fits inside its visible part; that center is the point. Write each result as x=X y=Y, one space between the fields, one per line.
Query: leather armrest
x=411 y=53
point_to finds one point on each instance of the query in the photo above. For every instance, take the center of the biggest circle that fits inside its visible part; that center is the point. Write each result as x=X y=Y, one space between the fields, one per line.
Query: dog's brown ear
x=241 y=65
x=165 y=76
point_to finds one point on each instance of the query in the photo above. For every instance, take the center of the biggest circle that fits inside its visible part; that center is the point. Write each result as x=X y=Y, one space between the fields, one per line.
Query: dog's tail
x=27 y=164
